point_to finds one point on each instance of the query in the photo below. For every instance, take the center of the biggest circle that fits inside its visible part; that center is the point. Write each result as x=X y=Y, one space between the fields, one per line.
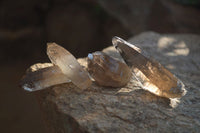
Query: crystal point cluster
x=153 y=76
x=65 y=68
x=106 y=71
x=68 y=65
x=47 y=75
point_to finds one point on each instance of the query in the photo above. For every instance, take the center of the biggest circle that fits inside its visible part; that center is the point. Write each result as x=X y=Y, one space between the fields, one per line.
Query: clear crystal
x=153 y=76
x=68 y=65
x=107 y=71
x=41 y=76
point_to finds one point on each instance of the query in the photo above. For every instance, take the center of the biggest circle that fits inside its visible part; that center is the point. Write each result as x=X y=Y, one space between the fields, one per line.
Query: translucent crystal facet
x=41 y=76
x=107 y=71
x=68 y=65
x=153 y=76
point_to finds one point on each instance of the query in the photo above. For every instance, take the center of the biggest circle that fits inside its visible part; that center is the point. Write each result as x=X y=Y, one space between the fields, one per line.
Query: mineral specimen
x=68 y=65
x=107 y=71
x=153 y=76
x=42 y=76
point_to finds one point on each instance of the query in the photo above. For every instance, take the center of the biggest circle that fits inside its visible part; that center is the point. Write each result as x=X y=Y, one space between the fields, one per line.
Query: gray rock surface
x=130 y=109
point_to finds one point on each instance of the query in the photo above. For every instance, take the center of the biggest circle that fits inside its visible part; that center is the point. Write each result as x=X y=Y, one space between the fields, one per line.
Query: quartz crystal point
x=153 y=76
x=41 y=76
x=107 y=71
x=68 y=65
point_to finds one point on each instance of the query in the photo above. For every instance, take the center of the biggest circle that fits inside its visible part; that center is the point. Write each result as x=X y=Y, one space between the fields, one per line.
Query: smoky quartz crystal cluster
x=104 y=70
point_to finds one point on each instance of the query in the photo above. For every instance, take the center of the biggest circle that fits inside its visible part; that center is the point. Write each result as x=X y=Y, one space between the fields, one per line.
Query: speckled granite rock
x=131 y=109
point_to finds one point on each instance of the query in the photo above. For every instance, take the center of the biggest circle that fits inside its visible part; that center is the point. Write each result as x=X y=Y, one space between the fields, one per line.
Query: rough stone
x=131 y=109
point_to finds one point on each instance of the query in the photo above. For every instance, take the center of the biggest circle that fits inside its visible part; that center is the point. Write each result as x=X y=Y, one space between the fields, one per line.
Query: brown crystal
x=68 y=65
x=153 y=76
x=107 y=71
x=41 y=76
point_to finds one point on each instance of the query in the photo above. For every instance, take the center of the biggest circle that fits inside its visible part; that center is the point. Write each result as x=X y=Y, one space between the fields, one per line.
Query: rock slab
x=67 y=109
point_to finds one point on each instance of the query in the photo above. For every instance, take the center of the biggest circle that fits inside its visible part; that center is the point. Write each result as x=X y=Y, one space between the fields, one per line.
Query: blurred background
x=81 y=26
